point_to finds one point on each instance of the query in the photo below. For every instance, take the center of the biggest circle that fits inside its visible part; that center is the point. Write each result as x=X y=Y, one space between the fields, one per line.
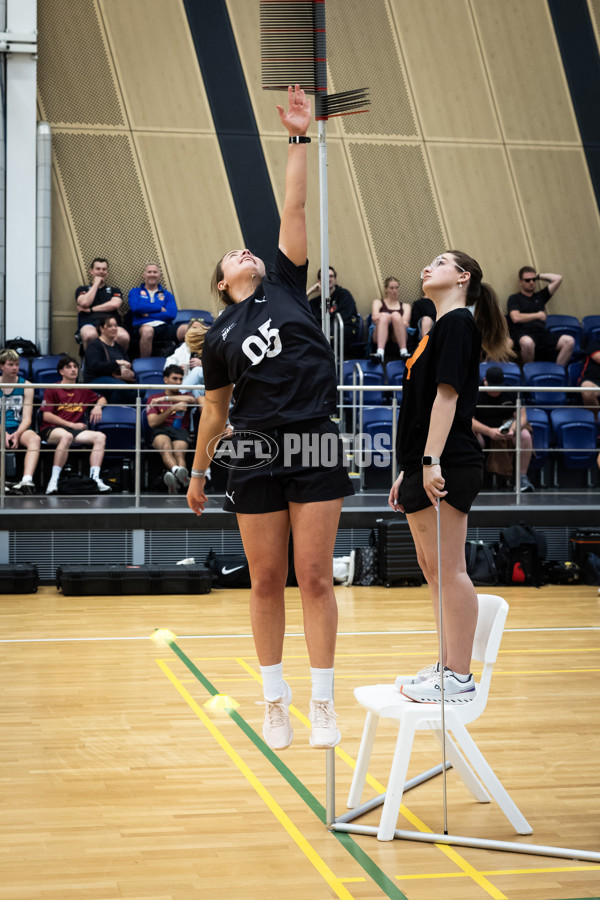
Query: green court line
x=346 y=840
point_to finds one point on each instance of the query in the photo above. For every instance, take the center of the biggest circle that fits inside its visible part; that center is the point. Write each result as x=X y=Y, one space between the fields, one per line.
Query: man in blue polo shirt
x=153 y=309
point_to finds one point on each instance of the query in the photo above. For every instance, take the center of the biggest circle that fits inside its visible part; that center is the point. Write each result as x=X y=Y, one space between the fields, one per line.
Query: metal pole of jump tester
x=441 y=636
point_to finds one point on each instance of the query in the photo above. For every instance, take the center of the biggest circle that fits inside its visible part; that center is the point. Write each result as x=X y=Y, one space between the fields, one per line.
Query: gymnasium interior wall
x=471 y=142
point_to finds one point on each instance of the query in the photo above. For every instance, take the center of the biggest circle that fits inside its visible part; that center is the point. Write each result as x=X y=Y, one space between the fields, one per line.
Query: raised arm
x=554 y=281
x=292 y=233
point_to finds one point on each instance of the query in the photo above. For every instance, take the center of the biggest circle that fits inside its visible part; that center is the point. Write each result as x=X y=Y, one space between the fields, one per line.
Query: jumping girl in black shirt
x=440 y=458
x=268 y=352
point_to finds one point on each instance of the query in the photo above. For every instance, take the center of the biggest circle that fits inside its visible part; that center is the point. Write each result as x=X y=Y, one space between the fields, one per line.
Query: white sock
x=56 y=470
x=27 y=478
x=322 y=684
x=273 y=683
x=462 y=678
x=174 y=469
x=380 y=352
x=95 y=472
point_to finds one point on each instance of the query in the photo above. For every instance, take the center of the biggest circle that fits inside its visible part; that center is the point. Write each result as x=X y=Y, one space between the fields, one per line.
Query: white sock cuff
x=273 y=683
x=322 y=683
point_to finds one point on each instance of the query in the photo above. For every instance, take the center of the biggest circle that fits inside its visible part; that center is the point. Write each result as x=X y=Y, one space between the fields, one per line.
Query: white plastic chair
x=385 y=701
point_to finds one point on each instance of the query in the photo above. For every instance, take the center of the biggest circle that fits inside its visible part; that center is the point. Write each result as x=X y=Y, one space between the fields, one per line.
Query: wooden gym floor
x=119 y=782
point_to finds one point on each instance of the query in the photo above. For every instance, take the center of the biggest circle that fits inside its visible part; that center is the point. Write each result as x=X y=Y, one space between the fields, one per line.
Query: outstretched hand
x=297 y=118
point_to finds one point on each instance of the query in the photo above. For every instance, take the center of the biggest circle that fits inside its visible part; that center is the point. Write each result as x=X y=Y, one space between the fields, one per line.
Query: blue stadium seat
x=545 y=374
x=43 y=368
x=149 y=369
x=118 y=424
x=372 y=375
x=591 y=327
x=574 y=371
x=184 y=315
x=512 y=373
x=563 y=324
x=541 y=436
x=378 y=424
x=394 y=371
x=575 y=433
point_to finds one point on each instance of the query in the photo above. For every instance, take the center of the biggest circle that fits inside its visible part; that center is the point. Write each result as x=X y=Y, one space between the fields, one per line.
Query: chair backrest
x=372 y=375
x=575 y=431
x=512 y=373
x=43 y=368
x=591 y=326
x=488 y=634
x=540 y=424
x=394 y=371
x=184 y=315
x=118 y=424
x=545 y=374
x=147 y=364
x=574 y=370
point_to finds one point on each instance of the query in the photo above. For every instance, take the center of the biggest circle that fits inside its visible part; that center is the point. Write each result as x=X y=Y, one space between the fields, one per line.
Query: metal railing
x=359 y=390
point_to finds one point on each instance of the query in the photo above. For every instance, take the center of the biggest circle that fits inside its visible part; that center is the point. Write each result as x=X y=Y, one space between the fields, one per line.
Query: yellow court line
x=448 y=851
x=311 y=854
x=547 y=871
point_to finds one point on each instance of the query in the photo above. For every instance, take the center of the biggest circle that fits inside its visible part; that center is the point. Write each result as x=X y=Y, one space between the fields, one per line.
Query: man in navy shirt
x=153 y=309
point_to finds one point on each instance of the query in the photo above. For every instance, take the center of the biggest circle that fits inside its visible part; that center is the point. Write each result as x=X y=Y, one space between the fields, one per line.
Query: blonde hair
x=194 y=338
x=9 y=355
x=217 y=277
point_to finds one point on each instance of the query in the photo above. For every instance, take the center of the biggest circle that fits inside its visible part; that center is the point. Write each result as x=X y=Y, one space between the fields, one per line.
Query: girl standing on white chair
x=440 y=458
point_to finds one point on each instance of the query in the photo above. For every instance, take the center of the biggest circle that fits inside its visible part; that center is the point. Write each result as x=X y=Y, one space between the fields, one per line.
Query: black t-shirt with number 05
x=449 y=354
x=273 y=351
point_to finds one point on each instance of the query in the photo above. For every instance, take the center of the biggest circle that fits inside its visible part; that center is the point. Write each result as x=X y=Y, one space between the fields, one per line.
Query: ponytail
x=489 y=318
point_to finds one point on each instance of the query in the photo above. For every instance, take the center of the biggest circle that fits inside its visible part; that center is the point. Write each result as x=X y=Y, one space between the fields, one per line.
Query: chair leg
x=362 y=762
x=491 y=782
x=462 y=767
x=397 y=779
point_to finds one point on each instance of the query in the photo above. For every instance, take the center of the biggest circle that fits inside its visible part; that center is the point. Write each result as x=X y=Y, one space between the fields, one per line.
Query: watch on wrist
x=430 y=461
x=299 y=139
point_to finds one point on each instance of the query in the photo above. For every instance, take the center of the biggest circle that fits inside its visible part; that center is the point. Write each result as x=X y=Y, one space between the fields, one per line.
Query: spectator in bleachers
x=590 y=377
x=94 y=301
x=422 y=316
x=153 y=309
x=169 y=417
x=391 y=318
x=65 y=413
x=19 y=415
x=183 y=327
x=105 y=362
x=340 y=301
x=189 y=356
x=527 y=320
x=495 y=428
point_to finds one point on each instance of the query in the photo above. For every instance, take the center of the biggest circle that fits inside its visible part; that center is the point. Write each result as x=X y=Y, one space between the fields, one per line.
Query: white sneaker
x=422 y=675
x=102 y=487
x=24 y=487
x=455 y=691
x=324 y=733
x=404 y=354
x=171 y=482
x=277 y=731
x=52 y=487
x=182 y=475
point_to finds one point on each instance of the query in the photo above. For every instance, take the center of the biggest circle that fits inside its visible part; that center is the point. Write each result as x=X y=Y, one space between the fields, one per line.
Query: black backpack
x=520 y=556
x=229 y=569
x=481 y=567
x=23 y=347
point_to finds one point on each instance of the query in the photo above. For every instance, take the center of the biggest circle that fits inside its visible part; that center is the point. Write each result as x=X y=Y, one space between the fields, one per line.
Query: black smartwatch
x=430 y=460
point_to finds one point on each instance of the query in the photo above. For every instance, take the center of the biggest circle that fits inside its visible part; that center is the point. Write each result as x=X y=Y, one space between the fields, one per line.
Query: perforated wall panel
x=107 y=207
x=401 y=211
x=50 y=549
x=75 y=79
x=361 y=56
x=594 y=6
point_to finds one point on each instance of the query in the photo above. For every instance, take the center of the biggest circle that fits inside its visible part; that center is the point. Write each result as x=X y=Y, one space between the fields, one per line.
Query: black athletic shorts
x=301 y=462
x=463 y=483
x=176 y=434
x=545 y=345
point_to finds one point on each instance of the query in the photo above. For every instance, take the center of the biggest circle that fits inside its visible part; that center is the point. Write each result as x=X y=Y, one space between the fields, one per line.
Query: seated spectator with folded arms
x=19 y=414
x=527 y=320
x=105 y=362
x=65 y=412
x=94 y=301
x=169 y=418
x=495 y=428
x=154 y=310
